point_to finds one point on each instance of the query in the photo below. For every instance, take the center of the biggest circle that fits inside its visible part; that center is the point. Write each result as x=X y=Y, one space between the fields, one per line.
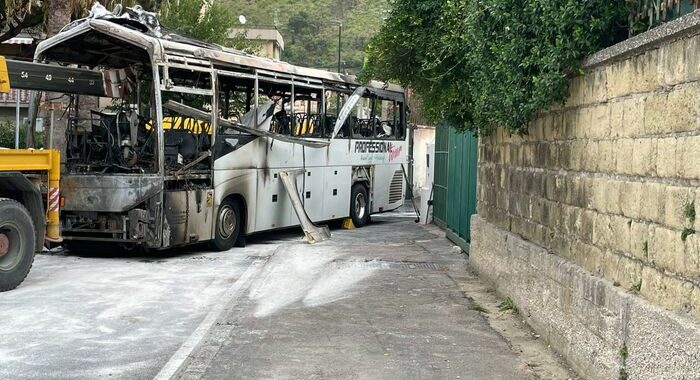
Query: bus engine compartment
x=109 y=143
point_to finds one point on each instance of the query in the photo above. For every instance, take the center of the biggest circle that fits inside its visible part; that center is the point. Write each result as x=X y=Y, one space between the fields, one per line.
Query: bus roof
x=169 y=47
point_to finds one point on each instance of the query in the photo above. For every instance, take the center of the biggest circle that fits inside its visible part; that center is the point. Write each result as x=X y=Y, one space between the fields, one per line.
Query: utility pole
x=341 y=18
x=340 y=43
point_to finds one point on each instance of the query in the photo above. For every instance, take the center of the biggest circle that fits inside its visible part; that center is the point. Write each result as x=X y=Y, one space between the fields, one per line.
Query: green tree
x=310 y=28
x=7 y=135
x=212 y=25
x=183 y=16
x=483 y=64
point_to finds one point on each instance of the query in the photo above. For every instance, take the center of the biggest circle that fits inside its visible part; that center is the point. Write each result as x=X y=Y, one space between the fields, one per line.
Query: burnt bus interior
x=112 y=142
x=107 y=135
x=187 y=140
x=378 y=115
x=118 y=135
x=115 y=135
x=303 y=108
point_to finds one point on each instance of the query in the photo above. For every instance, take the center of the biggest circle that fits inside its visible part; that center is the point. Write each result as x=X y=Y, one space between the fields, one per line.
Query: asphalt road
x=111 y=317
x=380 y=302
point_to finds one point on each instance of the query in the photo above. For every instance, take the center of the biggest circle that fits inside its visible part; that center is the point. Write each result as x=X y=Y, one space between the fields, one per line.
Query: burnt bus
x=188 y=140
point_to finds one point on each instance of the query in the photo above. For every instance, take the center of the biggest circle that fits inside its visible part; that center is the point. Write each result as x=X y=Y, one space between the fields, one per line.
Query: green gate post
x=440 y=175
x=454 y=190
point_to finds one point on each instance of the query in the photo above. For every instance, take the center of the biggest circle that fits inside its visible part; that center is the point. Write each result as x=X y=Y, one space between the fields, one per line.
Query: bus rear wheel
x=228 y=225
x=17 y=241
x=359 y=205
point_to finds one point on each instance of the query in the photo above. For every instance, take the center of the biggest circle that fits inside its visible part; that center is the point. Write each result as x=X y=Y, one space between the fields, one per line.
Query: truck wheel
x=17 y=241
x=228 y=225
x=359 y=205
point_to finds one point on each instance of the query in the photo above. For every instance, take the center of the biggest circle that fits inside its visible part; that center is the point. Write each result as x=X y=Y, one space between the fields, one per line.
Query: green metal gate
x=454 y=192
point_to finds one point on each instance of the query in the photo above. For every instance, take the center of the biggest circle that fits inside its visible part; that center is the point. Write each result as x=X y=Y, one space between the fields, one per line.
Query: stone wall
x=583 y=316
x=608 y=185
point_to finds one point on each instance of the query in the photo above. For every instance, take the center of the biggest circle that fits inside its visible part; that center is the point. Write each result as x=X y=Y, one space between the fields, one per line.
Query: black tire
x=359 y=205
x=17 y=241
x=227 y=234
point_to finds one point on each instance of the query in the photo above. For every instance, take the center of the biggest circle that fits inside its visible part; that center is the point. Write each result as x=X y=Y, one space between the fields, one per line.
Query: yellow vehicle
x=27 y=217
x=29 y=204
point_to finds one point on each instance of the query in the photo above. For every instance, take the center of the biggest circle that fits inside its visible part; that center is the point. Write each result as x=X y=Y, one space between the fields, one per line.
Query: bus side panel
x=189 y=216
x=273 y=207
x=241 y=182
x=387 y=187
x=280 y=154
x=336 y=192
x=313 y=193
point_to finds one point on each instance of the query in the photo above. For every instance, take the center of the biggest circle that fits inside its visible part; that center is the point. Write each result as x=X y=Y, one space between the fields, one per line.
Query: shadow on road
x=122 y=251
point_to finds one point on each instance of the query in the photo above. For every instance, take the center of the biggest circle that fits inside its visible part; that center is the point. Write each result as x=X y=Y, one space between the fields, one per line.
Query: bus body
x=189 y=140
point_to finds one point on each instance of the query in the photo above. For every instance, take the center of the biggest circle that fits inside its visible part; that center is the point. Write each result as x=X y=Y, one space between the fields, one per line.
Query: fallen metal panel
x=203 y=115
x=312 y=232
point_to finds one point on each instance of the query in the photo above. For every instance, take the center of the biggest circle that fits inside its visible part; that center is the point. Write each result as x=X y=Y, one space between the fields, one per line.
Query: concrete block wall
x=585 y=317
x=608 y=184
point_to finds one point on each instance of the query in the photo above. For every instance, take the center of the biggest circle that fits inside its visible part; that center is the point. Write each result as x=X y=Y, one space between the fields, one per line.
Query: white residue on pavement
x=86 y=317
x=306 y=274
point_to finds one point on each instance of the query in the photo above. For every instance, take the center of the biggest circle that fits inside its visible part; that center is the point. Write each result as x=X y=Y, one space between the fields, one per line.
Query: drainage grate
x=378 y=264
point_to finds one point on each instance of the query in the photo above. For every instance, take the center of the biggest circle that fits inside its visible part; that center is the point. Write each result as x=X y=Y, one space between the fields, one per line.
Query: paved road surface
x=382 y=302
x=377 y=303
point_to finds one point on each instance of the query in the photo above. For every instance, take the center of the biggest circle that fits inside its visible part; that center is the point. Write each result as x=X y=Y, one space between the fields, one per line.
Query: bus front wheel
x=359 y=205
x=228 y=225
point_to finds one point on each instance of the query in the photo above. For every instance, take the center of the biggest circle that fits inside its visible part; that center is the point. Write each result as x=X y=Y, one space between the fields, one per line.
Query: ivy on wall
x=483 y=64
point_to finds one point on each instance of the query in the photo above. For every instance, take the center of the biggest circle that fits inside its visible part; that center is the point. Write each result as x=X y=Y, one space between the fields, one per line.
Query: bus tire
x=17 y=243
x=228 y=225
x=359 y=205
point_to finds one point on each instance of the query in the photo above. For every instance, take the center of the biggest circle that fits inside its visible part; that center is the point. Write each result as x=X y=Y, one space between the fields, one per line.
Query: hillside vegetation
x=310 y=28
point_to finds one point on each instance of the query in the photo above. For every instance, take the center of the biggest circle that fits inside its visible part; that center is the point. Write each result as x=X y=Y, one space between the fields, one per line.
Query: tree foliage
x=310 y=28
x=7 y=135
x=185 y=17
x=182 y=16
x=483 y=64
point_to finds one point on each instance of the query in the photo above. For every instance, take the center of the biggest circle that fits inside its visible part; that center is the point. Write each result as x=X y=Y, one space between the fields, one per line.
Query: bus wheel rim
x=11 y=246
x=360 y=205
x=227 y=222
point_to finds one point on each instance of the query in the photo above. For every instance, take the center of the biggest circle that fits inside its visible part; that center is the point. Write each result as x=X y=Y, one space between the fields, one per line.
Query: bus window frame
x=374 y=94
x=342 y=97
